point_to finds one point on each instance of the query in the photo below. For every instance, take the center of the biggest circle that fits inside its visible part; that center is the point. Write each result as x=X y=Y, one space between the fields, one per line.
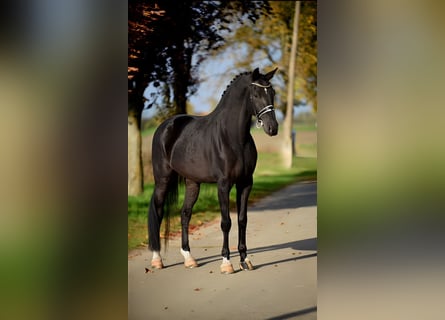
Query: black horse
x=217 y=148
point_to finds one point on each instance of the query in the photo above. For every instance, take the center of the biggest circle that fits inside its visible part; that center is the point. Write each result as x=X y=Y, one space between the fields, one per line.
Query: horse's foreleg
x=191 y=195
x=242 y=196
x=226 y=223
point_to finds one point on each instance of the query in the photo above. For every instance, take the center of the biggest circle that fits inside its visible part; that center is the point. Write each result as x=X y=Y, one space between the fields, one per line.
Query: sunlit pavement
x=282 y=245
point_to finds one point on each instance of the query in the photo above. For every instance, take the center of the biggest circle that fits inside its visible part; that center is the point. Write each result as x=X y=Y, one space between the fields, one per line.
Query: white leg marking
x=189 y=261
x=226 y=267
x=156 y=255
x=156 y=260
x=186 y=254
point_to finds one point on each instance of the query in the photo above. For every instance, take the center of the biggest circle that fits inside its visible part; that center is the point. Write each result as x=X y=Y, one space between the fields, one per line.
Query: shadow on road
x=296 y=196
x=306 y=244
x=303 y=245
x=294 y=314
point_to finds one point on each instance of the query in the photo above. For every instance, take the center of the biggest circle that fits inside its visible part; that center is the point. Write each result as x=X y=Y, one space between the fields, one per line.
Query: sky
x=216 y=74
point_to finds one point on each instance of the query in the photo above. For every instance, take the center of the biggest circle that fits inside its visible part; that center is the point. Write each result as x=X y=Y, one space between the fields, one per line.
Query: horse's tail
x=154 y=221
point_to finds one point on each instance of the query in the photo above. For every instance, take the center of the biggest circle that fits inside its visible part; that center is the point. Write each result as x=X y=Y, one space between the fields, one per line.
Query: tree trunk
x=135 y=170
x=182 y=66
x=288 y=120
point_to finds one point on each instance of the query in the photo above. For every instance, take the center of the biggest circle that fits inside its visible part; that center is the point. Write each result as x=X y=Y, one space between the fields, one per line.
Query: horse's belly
x=192 y=165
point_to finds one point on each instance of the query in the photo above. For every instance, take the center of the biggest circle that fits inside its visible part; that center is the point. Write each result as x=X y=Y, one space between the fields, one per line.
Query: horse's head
x=262 y=97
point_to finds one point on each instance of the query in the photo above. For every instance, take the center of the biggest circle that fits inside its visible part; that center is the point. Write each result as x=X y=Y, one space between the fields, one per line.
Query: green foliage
x=271 y=37
x=305 y=126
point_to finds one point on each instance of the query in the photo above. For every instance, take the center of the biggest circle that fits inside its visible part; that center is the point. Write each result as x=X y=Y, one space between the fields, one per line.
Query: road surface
x=282 y=244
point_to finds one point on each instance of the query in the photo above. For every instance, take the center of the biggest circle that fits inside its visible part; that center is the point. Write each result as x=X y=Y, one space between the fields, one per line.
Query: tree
x=271 y=39
x=287 y=130
x=167 y=42
x=306 y=64
x=144 y=19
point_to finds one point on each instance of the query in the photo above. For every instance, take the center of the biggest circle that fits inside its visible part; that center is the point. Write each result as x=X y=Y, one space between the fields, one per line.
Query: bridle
x=266 y=109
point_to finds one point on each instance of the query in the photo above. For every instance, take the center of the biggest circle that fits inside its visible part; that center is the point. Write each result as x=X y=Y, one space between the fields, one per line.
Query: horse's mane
x=233 y=80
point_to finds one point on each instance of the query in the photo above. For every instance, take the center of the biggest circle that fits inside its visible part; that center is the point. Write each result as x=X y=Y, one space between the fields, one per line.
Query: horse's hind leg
x=191 y=195
x=155 y=215
x=242 y=195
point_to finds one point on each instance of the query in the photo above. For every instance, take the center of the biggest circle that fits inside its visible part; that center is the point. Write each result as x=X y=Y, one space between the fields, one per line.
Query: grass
x=305 y=127
x=268 y=177
x=148 y=131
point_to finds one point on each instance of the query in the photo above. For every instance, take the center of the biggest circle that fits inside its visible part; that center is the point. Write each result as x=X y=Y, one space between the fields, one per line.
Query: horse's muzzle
x=271 y=129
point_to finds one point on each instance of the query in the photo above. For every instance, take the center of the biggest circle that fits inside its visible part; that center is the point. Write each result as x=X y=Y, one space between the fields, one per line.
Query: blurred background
x=380 y=151
x=381 y=181
x=63 y=95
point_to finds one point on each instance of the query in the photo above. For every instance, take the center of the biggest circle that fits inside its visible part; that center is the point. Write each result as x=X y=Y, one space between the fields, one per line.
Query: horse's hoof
x=227 y=268
x=157 y=263
x=190 y=263
x=246 y=265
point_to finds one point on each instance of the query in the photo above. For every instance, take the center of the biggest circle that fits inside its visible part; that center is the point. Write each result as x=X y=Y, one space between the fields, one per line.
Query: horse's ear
x=255 y=74
x=270 y=74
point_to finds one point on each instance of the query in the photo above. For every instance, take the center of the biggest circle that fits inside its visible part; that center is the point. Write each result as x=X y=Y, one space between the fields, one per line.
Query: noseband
x=266 y=109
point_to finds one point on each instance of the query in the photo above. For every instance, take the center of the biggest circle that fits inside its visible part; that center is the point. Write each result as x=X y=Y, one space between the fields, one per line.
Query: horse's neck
x=233 y=115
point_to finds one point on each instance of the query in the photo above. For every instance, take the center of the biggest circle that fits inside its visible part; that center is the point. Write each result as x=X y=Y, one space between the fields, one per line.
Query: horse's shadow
x=300 y=245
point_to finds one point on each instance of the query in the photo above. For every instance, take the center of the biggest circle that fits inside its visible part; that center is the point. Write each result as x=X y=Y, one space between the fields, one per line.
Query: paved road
x=282 y=242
